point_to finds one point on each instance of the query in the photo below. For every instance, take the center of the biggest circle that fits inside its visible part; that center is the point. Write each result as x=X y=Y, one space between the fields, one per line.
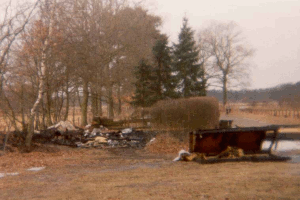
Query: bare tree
x=48 y=9
x=106 y=37
x=12 y=24
x=227 y=53
x=83 y=47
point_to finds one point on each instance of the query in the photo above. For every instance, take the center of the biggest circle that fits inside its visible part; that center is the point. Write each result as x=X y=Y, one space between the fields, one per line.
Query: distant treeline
x=287 y=94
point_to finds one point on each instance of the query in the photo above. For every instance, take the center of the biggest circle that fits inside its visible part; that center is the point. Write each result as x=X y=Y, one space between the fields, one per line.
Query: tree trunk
x=22 y=108
x=59 y=106
x=48 y=106
x=94 y=102
x=37 y=102
x=110 y=103
x=84 y=103
x=224 y=90
x=37 y=120
x=43 y=113
x=67 y=100
x=74 y=106
x=119 y=100
x=100 y=112
x=41 y=85
x=55 y=107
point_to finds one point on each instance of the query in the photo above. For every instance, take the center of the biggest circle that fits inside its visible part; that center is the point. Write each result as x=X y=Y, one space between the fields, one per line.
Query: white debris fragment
x=36 y=168
x=86 y=133
x=79 y=144
x=9 y=174
x=112 y=143
x=100 y=139
x=151 y=141
x=95 y=131
x=127 y=130
x=89 y=132
x=182 y=154
x=62 y=126
x=12 y=174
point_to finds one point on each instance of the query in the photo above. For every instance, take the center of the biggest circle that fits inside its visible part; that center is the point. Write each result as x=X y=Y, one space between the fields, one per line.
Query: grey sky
x=272 y=27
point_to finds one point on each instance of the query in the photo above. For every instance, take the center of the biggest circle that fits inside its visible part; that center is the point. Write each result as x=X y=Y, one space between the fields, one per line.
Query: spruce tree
x=144 y=93
x=189 y=74
x=164 y=83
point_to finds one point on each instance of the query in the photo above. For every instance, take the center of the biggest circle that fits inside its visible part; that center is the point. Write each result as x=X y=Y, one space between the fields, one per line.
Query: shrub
x=186 y=113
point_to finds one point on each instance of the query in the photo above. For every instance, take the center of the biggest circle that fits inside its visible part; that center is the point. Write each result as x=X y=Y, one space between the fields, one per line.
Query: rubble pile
x=93 y=135
x=102 y=137
x=63 y=133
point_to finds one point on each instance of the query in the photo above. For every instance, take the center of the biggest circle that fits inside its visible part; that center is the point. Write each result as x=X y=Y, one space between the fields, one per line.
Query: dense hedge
x=187 y=113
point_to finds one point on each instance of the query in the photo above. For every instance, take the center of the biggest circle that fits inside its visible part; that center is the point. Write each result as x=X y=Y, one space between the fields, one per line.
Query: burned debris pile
x=93 y=135
x=101 y=137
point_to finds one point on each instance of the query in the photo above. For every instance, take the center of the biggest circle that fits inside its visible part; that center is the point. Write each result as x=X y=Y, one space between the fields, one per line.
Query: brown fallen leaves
x=45 y=155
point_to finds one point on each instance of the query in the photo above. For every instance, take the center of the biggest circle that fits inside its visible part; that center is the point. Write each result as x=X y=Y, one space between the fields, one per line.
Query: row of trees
x=287 y=95
x=218 y=58
x=73 y=53
x=172 y=72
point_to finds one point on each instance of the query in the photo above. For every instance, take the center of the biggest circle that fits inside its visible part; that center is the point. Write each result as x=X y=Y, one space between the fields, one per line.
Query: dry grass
x=125 y=174
x=44 y=155
x=266 y=118
x=167 y=144
x=142 y=174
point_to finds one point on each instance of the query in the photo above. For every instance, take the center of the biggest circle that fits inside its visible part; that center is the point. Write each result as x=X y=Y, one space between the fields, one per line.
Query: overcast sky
x=272 y=27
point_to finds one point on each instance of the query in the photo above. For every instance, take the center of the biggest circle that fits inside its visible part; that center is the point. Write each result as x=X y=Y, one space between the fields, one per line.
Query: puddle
x=295 y=159
x=282 y=145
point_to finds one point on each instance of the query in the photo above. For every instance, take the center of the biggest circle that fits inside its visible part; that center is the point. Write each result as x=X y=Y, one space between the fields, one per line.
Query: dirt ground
x=140 y=174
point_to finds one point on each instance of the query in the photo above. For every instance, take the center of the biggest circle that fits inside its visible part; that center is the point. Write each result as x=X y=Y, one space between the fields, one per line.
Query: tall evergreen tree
x=164 y=83
x=188 y=72
x=144 y=93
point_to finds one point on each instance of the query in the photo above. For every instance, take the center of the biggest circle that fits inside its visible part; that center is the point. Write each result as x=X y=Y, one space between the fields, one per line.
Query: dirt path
x=138 y=174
